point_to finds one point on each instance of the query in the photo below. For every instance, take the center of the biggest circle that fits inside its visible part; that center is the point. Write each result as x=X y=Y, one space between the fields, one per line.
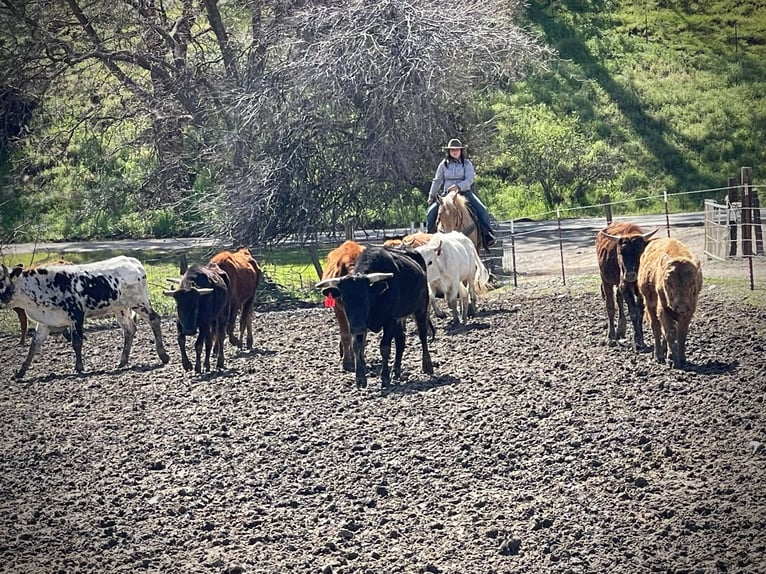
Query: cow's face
x=187 y=310
x=433 y=272
x=8 y=283
x=354 y=292
x=629 y=250
x=679 y=286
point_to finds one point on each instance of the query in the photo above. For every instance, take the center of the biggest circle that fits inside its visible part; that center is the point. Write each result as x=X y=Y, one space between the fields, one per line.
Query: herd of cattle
x=370 y=288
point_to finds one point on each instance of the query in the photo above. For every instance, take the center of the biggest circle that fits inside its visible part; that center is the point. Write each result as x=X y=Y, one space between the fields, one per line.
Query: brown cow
x=618 y=249
x=670 y=279
x=412 y=240
x=340 y=262
x=244 y=276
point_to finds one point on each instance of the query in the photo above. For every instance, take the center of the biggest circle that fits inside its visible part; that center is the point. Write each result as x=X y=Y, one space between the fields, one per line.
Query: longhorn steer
x=23 y=322
x=618 y=248
x=244 y=275
x=452 y=263
x=63 y=296
x=340 y=262
x=385 y=288
x=202 y=307
x=670 y=279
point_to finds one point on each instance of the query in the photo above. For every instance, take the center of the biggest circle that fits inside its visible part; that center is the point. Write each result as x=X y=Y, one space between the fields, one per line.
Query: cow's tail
x=432 y=329
x=481 y=276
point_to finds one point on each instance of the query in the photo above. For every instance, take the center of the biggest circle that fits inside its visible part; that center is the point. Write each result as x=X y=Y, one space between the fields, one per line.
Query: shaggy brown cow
x=670 y=279
x=618 y=249
x=340 y=262
x=244 y=276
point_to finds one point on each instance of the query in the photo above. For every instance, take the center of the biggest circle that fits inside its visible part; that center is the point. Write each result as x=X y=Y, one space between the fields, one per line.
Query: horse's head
x=454 y=215
x=452 y=212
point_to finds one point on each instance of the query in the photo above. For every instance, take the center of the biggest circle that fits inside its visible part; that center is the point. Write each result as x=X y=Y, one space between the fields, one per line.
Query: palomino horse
x=454 y=215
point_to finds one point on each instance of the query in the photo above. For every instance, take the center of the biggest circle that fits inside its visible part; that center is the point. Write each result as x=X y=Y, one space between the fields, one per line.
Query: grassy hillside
x=676 y=89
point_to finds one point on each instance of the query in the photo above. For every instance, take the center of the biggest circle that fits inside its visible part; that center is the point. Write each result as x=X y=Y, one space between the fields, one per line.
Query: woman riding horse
x=455 y=173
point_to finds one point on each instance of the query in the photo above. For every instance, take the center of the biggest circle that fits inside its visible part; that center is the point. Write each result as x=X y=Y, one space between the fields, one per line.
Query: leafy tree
x=551 y=153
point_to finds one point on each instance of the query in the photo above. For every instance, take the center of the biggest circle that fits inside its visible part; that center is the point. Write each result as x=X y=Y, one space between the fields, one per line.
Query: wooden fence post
x=607 y=201
x=747 y=213
x=732 y=197
x=755 y=205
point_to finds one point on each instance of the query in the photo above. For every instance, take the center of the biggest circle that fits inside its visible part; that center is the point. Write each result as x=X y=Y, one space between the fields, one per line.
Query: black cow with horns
x=202 y=305
x=386 y=287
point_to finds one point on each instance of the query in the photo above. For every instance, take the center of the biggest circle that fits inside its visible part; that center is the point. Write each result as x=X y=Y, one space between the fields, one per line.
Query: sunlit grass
x=288 y=275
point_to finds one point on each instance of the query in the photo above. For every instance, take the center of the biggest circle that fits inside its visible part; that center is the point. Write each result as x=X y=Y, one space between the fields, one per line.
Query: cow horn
x=173 y=279
x=650 y=233
x=170 y=293
x=375 y=277
x=329 y=283
x=610 y=236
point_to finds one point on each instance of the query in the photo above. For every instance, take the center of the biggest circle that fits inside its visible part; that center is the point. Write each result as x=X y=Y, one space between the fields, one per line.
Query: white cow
x=63 y=296
x=454 y=270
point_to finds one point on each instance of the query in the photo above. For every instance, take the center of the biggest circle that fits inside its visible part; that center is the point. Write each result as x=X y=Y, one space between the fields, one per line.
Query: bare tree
x=300 y=114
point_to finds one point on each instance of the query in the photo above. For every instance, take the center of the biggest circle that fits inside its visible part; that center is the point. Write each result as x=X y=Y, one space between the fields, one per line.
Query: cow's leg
x=452 y=300
x=421 y=320
x=385 y=353
x=346 y=351
x=182 y=345
x=149 y=314
x=466 y=299
x=357 y=345
x=636 y=309
x=622 y=323
x=400 y=341
x=41 y=333
x=670 y=330
x=220 y=335
x=660 y=338
x=246 y=322
x=434 y=305
x=682 y=331
x=128 y=332
x=202 y=340
x=607 y=292
x=229 y=327
x=77 y=336
x=471 y=298
x=23 y=324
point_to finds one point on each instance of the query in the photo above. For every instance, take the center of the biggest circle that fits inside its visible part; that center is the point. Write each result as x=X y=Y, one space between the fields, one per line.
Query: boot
x=489 y=238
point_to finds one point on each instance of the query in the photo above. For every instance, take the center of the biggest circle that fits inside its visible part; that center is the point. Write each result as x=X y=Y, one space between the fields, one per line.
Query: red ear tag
x=329 y=301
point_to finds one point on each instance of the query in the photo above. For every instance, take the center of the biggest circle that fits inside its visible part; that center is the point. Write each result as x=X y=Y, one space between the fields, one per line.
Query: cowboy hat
x=454 y=143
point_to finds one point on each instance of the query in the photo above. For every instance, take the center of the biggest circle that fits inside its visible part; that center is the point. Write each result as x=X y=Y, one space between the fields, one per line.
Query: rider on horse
x=455 y=171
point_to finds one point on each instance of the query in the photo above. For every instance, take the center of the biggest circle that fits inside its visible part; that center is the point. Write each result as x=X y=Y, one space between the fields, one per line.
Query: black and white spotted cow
x=63 y=296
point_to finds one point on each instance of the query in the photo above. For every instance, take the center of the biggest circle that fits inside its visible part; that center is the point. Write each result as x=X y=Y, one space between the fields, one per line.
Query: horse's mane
x=454 y=207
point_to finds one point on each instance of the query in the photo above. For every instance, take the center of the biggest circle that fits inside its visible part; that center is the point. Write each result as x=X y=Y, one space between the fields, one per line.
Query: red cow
x=618 y=248
x=340 y=262
x=244 y=276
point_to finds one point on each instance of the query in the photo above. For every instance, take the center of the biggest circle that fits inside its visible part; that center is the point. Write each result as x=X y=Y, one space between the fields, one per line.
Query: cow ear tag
x=329 y=301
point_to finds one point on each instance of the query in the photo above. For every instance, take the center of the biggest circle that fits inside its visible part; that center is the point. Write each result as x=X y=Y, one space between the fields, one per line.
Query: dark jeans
x=476 y=204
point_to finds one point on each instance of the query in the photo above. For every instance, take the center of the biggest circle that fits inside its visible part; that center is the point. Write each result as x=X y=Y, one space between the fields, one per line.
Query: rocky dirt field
x=535 y=447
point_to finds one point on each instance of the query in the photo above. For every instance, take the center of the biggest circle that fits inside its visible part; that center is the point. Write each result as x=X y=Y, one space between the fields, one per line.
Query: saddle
x=479 y=230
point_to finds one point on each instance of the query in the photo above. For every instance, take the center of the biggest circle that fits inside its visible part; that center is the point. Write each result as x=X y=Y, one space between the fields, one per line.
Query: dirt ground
x=535 y=447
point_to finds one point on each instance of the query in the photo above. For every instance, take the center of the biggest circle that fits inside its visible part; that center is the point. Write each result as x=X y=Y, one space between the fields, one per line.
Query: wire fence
x=557 y=244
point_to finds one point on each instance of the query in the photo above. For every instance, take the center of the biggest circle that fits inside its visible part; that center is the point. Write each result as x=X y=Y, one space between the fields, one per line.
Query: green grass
x=288 y=275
